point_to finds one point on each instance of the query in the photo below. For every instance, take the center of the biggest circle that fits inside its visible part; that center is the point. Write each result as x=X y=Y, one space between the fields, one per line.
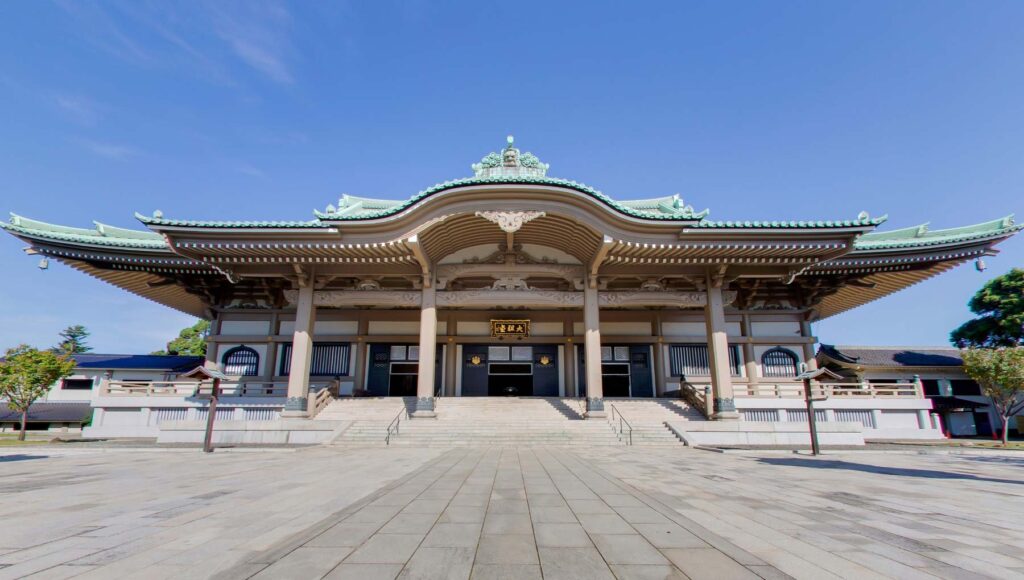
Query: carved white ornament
x=510 y=221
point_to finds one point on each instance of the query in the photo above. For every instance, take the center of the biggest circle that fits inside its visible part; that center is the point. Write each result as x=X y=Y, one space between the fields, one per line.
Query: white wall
x=785 y=328
x=696 y=329
x=245 y=328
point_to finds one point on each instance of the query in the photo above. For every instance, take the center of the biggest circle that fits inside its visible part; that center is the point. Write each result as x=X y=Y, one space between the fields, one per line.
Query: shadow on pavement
x=20 y=457
x=900 y=471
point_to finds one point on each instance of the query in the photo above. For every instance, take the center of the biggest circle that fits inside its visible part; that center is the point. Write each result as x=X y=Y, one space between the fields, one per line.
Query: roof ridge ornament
x=510 y=163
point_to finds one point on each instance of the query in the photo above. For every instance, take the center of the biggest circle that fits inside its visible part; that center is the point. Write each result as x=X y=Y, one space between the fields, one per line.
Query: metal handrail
x=395 y=424
x=622 y=420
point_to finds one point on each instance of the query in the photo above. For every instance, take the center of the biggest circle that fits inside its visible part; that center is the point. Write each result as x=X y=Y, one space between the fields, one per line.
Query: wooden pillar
x=359 y=375
x=451 y=357
x=592 y=354
x=270 y=368
x=805 y=331
x=302 y=353
x=428 y=353
x=212 y=347
x=570 y=360
x=718 y=353
x=749 y=359
x=658 y=357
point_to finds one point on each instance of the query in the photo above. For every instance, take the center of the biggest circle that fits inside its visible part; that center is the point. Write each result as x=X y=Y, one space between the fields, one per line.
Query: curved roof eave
x=103 y=235
x=920 y=236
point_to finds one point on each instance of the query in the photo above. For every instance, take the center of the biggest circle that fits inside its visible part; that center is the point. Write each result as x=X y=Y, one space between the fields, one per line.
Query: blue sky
x=756 y=110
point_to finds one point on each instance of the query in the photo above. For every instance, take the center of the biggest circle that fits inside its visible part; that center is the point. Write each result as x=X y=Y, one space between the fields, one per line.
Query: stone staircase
x=472 y=421
x=648 y=418
x=369 y=417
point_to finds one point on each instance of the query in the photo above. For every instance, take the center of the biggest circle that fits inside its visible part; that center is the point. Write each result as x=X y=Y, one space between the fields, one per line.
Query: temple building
x=514 y=283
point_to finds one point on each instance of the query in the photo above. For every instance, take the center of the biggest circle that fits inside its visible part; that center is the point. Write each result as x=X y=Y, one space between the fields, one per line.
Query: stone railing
x=795 y=390
x=319 y=400
x=696 y=396
x=112 y=388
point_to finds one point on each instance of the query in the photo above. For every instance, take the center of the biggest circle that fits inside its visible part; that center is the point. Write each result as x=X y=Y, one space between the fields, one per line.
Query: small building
x=956 y=398
x=68 y=404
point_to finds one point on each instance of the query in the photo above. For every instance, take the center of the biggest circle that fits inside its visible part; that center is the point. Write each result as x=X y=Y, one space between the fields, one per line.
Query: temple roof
x=189 y=264
x=920 y=236
x=905 y=238
x=100 y=235
x=893 y=356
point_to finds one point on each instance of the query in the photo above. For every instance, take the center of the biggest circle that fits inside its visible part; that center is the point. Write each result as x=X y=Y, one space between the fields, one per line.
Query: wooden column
x=450 y=356
x=805 y=331
x=212 y=347
x=658 y=357
x=270 y=369
x=749 y=359
x=359 y=375
x=569 y=370
x=718 y=353
x=428 y=353
x=302 y=353
x=592 y=354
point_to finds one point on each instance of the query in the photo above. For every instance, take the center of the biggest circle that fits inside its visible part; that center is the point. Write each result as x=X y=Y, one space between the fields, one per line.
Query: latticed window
x=330 y=359
x=779 y=362
x=241 y=360
x=692 y=360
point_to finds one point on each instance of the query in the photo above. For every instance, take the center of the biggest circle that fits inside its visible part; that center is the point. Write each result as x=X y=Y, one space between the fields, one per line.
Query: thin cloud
x=258 y=34
x=108 y=150
x=251 y=171
x=101 y=30
x=78 y=109
x=203 y=39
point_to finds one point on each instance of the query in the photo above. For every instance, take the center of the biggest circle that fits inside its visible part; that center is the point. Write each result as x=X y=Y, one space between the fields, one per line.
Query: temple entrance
x=510 y=380
x=510 y=370
x=625 y=371
x=393 y=369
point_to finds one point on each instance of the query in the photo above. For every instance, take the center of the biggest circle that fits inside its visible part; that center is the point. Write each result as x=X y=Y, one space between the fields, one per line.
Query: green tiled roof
x=859 y=222
x=161 y=221
x=101 y=235
x=667 y=208
x=921 y=236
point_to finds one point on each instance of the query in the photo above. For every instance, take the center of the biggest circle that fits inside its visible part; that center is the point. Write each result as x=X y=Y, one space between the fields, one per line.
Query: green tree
x=1000 y=309
x=1000 y=372
x=73 y=340
x=26 y=374
x=190 y=341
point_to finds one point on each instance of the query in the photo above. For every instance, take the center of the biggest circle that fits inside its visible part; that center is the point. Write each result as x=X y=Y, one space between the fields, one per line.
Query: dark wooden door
x=545 y=370
x=379 y=374
x=474 y=370
x=640 y=375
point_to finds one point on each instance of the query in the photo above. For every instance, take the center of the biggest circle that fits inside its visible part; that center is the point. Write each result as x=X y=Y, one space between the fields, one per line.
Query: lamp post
x=201 y=373
x=812 y=423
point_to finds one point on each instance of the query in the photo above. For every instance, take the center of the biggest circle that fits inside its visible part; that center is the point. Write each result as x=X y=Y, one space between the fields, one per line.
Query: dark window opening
x=965 y=388
x=779 y=362
x=77 y=384
x=330 y=359
x=241 y=360
x=692 y=360
x=510 y=369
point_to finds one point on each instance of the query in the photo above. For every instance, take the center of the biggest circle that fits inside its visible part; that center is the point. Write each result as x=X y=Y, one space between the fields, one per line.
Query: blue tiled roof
x=50 y=413
x=137 y=362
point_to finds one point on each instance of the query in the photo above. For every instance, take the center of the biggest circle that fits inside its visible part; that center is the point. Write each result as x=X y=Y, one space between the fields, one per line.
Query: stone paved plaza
x=507 y=513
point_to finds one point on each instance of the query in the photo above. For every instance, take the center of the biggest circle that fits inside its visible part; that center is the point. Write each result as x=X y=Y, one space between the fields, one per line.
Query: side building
x=964 y=410
x=67 y=406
